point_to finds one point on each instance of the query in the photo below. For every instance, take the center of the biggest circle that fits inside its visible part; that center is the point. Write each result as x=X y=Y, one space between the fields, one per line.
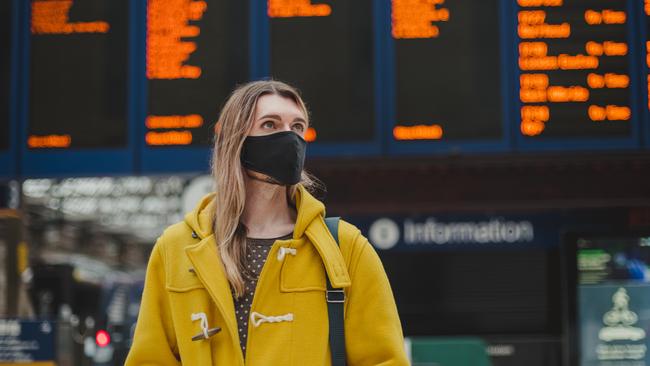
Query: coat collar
x=309 y=208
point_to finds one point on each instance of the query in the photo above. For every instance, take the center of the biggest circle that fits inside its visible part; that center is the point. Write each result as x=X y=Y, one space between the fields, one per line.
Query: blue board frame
x=571 y=144
x=455 y=146
x=8 y=159
x=72 y=162
x=260 y=53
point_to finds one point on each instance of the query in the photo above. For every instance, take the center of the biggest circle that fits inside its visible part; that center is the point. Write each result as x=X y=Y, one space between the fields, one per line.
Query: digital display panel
x=5 y=72
x=196 y=53
x=447 y=70
x=646 y=61
x=613 y=300
x=574 y=69
x=481 y=293
x=325 y=49
x=78 y=81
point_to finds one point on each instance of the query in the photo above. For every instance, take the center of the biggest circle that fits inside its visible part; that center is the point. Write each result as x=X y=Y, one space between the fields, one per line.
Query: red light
x=102 y=338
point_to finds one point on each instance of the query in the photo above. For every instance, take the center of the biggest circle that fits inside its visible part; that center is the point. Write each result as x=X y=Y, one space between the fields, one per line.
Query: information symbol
x=384 y=233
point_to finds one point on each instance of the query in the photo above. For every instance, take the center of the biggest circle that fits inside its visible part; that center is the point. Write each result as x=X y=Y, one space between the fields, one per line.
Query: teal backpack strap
x=335 y=301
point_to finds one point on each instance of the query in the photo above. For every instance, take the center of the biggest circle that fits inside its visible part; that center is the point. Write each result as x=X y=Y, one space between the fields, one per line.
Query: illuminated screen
x=647 y=50
x=78 y=74
x=476 y=292
x=197 y=52
x=447 y=70
x=613 y=300
x=326 y=50
x=5 y=64
x=574 y=77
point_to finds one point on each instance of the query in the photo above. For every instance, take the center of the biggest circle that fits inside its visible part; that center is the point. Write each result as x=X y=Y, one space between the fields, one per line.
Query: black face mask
x=280 y=155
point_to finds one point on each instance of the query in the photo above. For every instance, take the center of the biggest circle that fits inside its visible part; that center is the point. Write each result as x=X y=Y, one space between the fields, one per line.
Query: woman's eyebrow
x=275 y=116
x=272 y=116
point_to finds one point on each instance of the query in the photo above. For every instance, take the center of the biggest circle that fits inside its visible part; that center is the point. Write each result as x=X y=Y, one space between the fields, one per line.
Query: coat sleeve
x=154 y=341
x=373 y=332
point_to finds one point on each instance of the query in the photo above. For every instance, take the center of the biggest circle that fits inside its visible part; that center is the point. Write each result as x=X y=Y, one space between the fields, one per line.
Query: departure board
x=325 y=49
x=196 y=53
x=91 y=87
x=447 y=70
x=574 y=70
x=78 y=81
x=5 y=72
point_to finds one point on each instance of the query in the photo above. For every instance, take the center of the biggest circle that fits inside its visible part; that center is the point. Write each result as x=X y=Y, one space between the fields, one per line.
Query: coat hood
x=308 y=207
x=309 y=224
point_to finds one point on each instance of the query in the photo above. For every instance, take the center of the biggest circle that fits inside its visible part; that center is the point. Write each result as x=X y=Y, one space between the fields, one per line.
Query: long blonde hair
x=235 y=120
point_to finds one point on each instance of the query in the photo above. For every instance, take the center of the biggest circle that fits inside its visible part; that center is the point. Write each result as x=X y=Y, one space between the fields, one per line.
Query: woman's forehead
x=273 y=104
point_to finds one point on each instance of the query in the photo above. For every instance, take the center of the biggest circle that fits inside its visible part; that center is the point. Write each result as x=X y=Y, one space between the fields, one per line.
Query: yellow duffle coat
x=185 y=276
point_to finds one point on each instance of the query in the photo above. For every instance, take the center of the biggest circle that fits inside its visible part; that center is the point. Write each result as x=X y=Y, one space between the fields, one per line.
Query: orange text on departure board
x=181 y=136
x=609 y=80
x=531 y=17
x=593 y=17
x=51 y=17
x=532 y=127
x=49 y=141
x=607 y=48
x=167 y=25
x=536 y=3
x=529 y=31
x=168 y=138
x=296 y=8
x=647 y=57
x=648 y=80
x=414 y=18
x=556 y=94
x=609 y=113
x=533 y=81
x=418 y=132
x=534 y=57
x=533 y=119
x=535 y=113
x=189 y=121
x=561 y=62
x=647 y=12
x=533 y=49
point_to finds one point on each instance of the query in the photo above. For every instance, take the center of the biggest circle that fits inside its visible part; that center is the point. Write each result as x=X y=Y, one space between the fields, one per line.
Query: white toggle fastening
x=204 y=322
x=285 y=250
x=257 y=318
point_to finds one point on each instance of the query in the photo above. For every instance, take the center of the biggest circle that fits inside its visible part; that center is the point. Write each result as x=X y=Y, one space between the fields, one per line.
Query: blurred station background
x=495 y=152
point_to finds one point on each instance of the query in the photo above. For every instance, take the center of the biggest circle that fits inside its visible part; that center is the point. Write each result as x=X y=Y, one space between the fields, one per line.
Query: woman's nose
x=285 y=127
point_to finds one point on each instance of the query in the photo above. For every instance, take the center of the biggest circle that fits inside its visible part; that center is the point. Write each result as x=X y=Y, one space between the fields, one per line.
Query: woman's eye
x=268 y=124
x=299 y=127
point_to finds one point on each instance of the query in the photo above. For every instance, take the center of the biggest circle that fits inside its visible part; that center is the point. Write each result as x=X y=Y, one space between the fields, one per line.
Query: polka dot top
x=258 y=250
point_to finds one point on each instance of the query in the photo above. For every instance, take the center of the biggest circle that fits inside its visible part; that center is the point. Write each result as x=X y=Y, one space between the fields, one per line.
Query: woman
x=244 y=276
